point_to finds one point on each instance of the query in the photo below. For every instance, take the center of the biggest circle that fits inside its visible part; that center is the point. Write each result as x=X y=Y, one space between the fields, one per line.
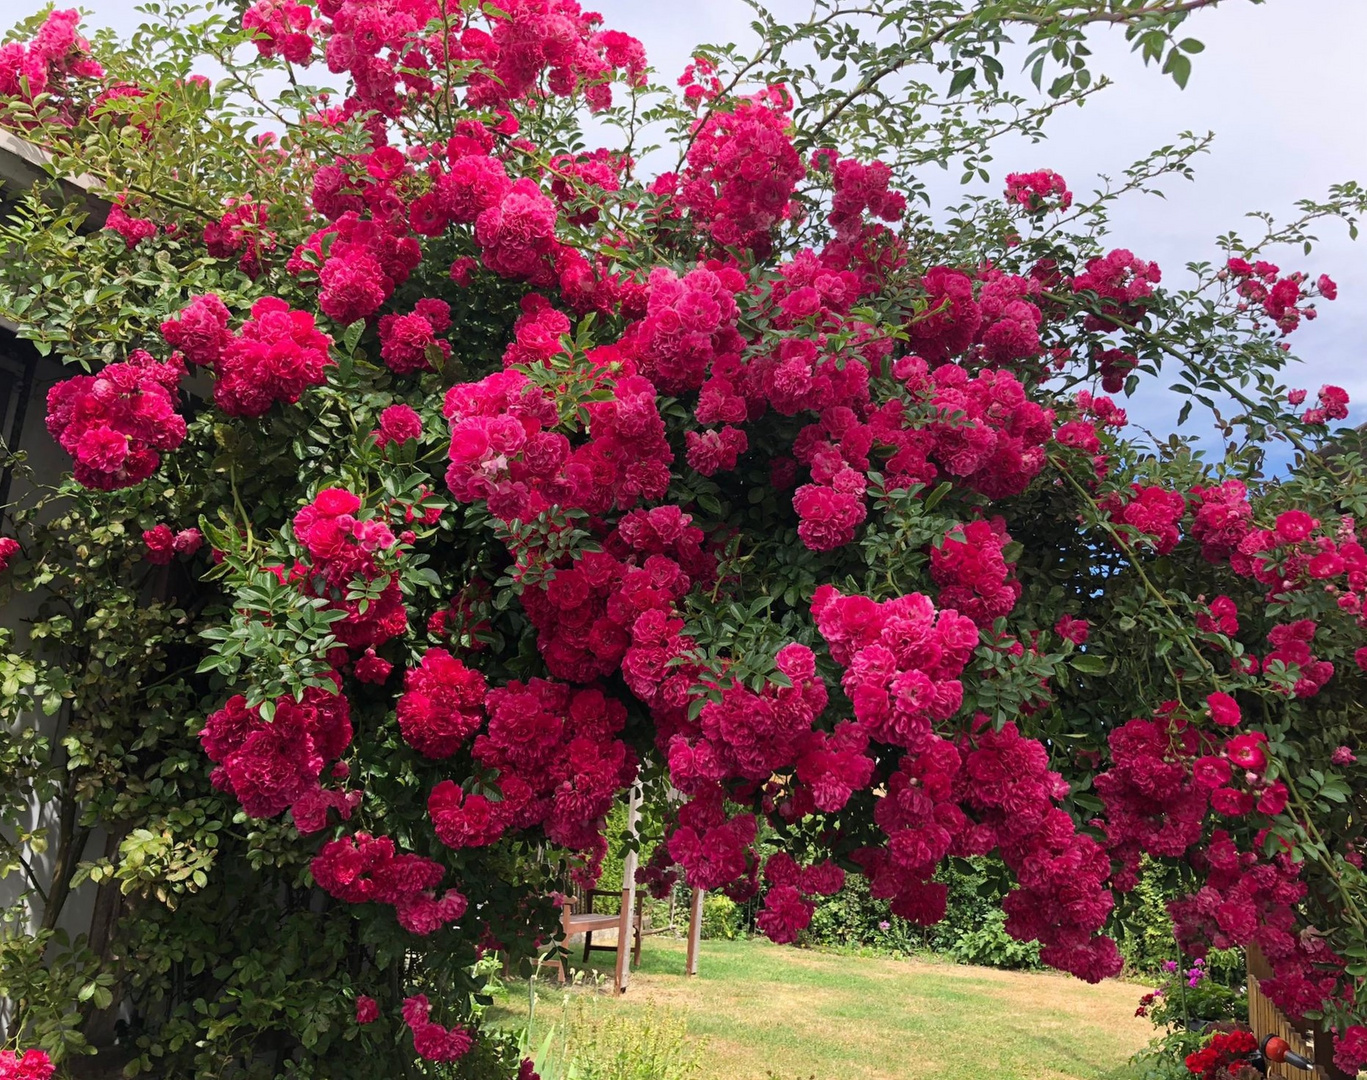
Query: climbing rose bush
x=487 y=477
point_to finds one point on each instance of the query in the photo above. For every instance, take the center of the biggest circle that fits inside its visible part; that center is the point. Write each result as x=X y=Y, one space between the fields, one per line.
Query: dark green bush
x=991 y=946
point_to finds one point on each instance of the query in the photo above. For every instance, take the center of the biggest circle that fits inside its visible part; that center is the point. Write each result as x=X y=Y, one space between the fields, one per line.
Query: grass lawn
x=763 y=1010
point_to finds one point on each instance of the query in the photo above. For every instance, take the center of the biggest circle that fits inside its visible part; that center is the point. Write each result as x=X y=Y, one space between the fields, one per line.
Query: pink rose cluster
x=281 y=28
x=1332 y=404
x=386 y=49
x=407 y=340
x=1249 y=898
x=9 y=548
x=982 y=430
x=343 y=547
x=557 y=751
x=163 y=544
x=117 y=423
x=747 y=735
x=902 y=661
x=1061 y=899
x=1123 y=283
x=1039 y=192
x=575 y=176
x=26 y=1065
x=741 y=173
x=859 y=190
x=275 y=356
x=988 y=432
x=357 y=263
x=728 y=752
x=56 y=55
x=588 y=617
x=441 y=706
x=274 y=763
x=689 y=327
x=1152 y=512
x=398 y=424
x=1278 y=297
x=505 y=452
x=560 y=760
x=241 y=233
x=365 y=869
x=1350 y=1049
x=1165 y=772
x=974 y=577
x=1002 y=319
x=789 y=900
x=134 y=230
x=1157 y=790
x=993 y=789
x=431 y=1041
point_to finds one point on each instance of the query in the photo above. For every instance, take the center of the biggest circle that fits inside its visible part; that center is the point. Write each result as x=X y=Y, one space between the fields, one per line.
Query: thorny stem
x=1320 y=852
x=28 y=868
x=1164 y=7
x=237 y=504
x=449 y=89
x=1149 y=586
x=870 y=81
x=1188 y=361
x=758 y=58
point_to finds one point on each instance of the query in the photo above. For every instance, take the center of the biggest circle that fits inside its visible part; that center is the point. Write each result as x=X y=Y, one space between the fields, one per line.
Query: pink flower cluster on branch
x=275 y=355
x=275 y=764
x=116 y=425
x=56 y=56
x=365 y=869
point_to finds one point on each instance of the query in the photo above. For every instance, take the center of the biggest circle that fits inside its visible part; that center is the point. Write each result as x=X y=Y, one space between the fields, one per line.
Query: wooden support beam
x=625 y=921
x=694 y=932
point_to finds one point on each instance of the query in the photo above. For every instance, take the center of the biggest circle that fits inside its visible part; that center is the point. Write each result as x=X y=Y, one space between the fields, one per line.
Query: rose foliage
x=460 y=445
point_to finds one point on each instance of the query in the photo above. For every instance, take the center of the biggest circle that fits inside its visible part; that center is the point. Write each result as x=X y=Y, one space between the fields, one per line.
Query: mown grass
x=762 y=1011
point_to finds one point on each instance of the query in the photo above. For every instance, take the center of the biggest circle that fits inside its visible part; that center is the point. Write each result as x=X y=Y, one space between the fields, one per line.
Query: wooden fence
x=1265 y=1019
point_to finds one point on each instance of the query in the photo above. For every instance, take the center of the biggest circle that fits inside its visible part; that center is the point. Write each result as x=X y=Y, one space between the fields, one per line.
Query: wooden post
x=625 y=921
x=694 y=932
x=1264 y=1019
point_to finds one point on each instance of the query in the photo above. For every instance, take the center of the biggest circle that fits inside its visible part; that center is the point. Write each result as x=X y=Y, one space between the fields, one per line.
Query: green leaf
x=352 y=335
x=963 y=78
x=1179 y=67
x=1091 y=665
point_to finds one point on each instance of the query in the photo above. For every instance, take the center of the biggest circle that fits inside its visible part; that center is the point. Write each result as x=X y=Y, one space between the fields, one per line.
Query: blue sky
x=1282 y=85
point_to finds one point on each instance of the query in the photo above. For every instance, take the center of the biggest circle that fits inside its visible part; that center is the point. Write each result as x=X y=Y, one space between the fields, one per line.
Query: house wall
x=25 y=379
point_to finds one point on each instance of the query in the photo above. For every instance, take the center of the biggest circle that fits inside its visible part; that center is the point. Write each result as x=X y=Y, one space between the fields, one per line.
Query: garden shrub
x=991 y=946
x=1192 y=997
x=437 y=477
x=721 y=918
x=975 y=888
x=1189 y=1001
x=1141 y=924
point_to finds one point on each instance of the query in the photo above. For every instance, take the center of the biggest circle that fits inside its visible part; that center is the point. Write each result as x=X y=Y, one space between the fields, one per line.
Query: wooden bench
x=589 y=922
x=589 y=916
